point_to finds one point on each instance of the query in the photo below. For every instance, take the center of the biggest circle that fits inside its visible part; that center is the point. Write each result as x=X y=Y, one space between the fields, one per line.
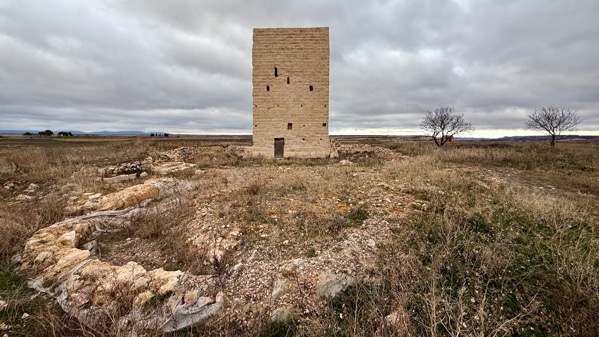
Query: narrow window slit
x=311 y=88
x=289 y=126
x=288 y=80
x=267 y=88
x=276 y=72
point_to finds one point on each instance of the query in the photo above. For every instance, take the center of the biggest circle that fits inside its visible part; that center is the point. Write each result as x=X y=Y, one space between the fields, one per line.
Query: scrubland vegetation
x=501 y=239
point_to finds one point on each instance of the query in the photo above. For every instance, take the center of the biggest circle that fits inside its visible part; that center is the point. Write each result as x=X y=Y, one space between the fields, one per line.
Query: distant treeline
x=48 y=133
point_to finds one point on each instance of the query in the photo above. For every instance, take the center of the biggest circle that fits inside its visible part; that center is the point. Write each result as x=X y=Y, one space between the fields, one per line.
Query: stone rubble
x=23 y=197
x=135 y=168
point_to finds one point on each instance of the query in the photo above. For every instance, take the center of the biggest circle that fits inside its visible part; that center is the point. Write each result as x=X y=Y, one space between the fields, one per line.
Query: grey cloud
x=186 y=65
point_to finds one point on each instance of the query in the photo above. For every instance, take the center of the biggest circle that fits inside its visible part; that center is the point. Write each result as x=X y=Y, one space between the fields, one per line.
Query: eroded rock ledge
x=94 y=291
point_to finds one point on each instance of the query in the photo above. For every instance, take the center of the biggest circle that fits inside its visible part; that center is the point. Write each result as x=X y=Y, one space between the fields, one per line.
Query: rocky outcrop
x=95 y=291
x=171 y=167
x=330 y=284
x=135 y=167
x=131 y=196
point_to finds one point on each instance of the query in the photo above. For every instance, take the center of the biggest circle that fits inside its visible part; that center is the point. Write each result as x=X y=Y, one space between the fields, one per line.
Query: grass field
x=482 y=238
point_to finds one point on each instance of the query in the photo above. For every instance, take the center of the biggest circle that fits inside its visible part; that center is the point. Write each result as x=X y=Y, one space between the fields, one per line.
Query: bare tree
x=443 y=124
x=553 y=120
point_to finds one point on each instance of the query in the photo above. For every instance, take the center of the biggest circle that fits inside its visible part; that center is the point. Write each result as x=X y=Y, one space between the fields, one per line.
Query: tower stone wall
x=291 y=92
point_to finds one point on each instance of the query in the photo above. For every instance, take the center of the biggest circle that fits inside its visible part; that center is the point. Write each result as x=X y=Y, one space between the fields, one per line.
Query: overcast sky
x=185 y=66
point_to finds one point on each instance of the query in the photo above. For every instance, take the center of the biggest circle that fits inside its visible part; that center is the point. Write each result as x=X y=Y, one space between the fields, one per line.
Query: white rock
x=32 y=188
x=330 y=284
x=68 y=239
x=91 y=246
x=282 y=314
x=192 y=314
x=279 y=289
x=41 y=257
x=143 y=298
x=221 y=298
x=23 y=197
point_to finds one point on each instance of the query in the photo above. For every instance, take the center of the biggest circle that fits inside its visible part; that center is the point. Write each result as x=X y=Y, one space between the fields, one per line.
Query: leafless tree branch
x=443 y=124
x=553 y=120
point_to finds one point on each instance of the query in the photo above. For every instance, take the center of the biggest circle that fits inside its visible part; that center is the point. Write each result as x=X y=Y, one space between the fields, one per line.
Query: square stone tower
x=291 y=92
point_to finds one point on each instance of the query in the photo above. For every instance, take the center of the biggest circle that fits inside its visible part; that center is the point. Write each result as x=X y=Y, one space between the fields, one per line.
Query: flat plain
x=395 y=237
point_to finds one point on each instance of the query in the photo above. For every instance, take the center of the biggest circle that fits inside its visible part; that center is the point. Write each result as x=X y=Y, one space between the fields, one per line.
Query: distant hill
x=545 y=138
x=122 y=133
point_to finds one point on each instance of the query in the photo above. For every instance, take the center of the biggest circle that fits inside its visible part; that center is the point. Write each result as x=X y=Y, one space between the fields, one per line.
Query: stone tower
x=291 y=92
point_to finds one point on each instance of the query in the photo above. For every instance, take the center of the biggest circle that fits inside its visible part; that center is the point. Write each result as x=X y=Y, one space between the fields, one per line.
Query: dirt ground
x=277 y=236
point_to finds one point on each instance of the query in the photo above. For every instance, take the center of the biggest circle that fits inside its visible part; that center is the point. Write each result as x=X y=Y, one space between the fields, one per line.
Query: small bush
x=358 y=215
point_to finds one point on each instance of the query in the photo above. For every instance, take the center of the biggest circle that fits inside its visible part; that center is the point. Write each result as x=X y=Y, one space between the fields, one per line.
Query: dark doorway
x=279 y=147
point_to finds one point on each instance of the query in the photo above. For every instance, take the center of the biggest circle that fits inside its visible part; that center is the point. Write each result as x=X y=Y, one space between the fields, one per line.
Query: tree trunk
x=552 y=140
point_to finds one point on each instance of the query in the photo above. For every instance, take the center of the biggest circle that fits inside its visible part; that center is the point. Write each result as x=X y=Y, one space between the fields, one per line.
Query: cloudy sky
x=185 y=66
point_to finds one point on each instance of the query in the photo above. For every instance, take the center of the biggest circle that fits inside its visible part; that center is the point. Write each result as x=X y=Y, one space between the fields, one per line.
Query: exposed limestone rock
x=131 y=196
x=170 y=167
x=330 y=284
x=23 y=197
x=179 y=154
x=123 y=169
x=93 y=290
x=32 y=188
x=134 y=195
x=283 y=314
x=191 y=314
x=215 y=242
x=126 y=198
x=279 y=289
x=120 y=178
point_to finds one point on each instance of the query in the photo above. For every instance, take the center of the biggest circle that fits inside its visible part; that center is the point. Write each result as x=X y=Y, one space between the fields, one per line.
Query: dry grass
x=503 y=240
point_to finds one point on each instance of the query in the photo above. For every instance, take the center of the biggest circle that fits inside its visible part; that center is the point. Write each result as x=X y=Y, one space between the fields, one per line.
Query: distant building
x=291 y=92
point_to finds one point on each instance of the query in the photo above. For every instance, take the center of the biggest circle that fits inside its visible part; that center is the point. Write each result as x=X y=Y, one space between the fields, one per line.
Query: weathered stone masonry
x=291 y=92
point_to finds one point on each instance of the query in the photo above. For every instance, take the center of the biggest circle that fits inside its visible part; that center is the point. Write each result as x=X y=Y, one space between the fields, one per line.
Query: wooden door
x=279 y=147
